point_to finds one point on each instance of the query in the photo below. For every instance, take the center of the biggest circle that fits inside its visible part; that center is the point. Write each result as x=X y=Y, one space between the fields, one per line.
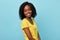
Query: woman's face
x=27 y=11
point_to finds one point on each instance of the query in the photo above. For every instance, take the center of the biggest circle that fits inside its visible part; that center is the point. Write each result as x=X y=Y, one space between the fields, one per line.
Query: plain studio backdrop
x=47 y=19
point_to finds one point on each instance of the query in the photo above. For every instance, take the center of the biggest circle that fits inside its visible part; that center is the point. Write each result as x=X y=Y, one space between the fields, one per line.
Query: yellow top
x=33 y=28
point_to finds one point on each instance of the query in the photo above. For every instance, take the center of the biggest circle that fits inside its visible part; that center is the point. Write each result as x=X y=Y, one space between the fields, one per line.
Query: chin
x=28 y=16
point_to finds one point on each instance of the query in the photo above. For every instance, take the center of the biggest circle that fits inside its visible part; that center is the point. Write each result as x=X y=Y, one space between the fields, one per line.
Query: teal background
x=47 y=19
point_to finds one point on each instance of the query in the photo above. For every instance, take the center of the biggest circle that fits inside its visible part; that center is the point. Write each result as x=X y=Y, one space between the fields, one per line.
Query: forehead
x=27 y=7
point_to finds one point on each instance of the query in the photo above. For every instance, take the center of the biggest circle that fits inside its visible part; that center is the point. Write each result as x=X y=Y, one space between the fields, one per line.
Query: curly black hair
x=21 y=10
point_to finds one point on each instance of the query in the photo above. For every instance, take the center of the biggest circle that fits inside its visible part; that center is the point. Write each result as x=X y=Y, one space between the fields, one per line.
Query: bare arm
x=28 y=33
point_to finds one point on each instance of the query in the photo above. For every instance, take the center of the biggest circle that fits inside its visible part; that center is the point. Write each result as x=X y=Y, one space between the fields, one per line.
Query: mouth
x=28 y=14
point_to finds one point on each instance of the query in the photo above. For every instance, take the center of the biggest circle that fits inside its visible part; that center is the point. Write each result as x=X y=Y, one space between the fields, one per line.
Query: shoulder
x=24 y=21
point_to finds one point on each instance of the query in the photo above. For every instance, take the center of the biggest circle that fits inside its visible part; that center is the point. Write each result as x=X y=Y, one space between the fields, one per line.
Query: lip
x=28 y=14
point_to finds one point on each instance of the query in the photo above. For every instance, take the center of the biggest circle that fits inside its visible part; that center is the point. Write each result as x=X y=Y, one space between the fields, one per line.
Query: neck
x=28 y=18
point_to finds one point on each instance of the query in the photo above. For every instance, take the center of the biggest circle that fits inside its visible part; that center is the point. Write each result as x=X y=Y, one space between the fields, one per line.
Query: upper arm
x=24 y=24
x=25 y=28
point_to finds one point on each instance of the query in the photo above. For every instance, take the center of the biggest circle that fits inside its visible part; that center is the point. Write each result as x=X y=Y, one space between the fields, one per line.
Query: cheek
x=25 y=13
x=30 y=11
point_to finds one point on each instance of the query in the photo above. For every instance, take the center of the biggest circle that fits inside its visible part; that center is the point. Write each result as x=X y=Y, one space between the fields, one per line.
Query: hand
x=31 y=39
x=39 y=38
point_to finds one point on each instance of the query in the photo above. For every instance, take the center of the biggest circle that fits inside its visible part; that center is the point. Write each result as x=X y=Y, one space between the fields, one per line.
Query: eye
x=25 y=10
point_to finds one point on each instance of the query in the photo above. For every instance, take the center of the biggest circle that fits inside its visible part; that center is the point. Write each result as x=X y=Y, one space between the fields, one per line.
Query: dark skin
x=27 y=13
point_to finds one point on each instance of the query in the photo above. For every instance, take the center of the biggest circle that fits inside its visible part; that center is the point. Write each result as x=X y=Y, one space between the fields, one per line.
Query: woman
x=27 y=13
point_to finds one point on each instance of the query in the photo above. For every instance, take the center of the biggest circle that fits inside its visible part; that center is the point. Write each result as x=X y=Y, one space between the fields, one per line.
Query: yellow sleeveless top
x=33 y=28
